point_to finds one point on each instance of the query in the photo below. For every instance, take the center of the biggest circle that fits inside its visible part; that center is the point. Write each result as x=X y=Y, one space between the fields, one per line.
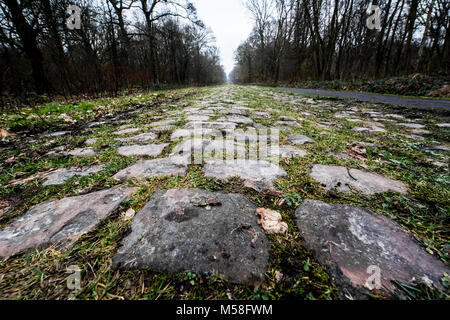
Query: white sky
x=230 y=22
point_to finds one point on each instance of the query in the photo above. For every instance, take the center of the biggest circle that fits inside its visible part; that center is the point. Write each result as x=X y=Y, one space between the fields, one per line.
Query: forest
x=120 y=44
x=295 y=40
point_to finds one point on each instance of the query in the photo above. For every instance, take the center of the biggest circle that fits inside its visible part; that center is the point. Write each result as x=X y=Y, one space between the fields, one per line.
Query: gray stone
x=353 y=120
x=261 y=114
x=366 y=144
x=184 y=133
x=289 y=123
x=163 y=123
x=234 y=111
x=286 y=118
x=412 y=125
x=438 y=148
x=127 y=131
x=419 y=131
x=323 y=126
x=219 y=148
x=443 y=125
x=197 y=118
x=150 y=150
x=372 y=128
x=163 y=128
x=299 y=139
x=342 y=179
x=413 y=137
x=210 y=125
x=57 y=134
x=348 y=240
x=173 y=166
x=82 y=152
x=197 y=231
x=291 y=152
x=96 y=124
x=257 y=174
x=141 y=138
x=191 y=147
x=61 y=176
x=60 y=222
x=236 y=119
x=91 y=141
x=282 y=128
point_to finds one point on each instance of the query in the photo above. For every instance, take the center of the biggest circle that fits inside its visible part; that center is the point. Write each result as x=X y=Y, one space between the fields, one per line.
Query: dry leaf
x=4 y=207
x=271 y=221
x=278 y=276
x=129 y=214
x=5 y=134
x=31 y=178
x=357 y=151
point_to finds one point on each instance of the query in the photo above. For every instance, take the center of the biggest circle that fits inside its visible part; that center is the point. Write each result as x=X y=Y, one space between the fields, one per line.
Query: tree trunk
x=28 y=37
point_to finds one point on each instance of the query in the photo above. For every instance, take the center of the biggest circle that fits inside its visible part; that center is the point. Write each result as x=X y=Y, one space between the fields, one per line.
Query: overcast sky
x=230 y=22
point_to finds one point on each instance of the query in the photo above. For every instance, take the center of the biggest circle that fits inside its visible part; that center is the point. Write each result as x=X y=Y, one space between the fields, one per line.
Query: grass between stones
x=42 y=274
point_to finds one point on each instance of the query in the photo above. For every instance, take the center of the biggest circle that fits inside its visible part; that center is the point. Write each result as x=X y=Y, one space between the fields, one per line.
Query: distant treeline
x=121 y=44
x=295 y=40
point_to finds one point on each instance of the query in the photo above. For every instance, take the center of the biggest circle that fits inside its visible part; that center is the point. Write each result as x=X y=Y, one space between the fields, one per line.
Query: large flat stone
x=257 y=174
x=163 y=123
x=299 y=139
x=60 y=222
x=127 y=131
x=172 y=166
x=61 y=176
x=197 y=118
x=163 y=128
x=82 y=152
x=412 y=125
x=210 y=125
x=342 y=178
x=348 y=240
x=289 y=123
x=57 y=134
x=150 y=150
x=141 y=138
x=236 y=119
x=183 y=133
x=198 y=231
x=291 y=152
x=233 y=112
x=371 y=128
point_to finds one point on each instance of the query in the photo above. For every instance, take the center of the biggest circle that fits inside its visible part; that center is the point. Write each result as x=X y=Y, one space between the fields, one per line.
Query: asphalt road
x=417 y=103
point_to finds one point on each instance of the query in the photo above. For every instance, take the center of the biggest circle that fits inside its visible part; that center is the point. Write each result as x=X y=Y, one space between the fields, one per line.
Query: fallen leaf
x=31 y=178
x=357 y=151
x=278 y=276
x=271 y=221
x=129 y=214
x=4 y=207
x=5 y=134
